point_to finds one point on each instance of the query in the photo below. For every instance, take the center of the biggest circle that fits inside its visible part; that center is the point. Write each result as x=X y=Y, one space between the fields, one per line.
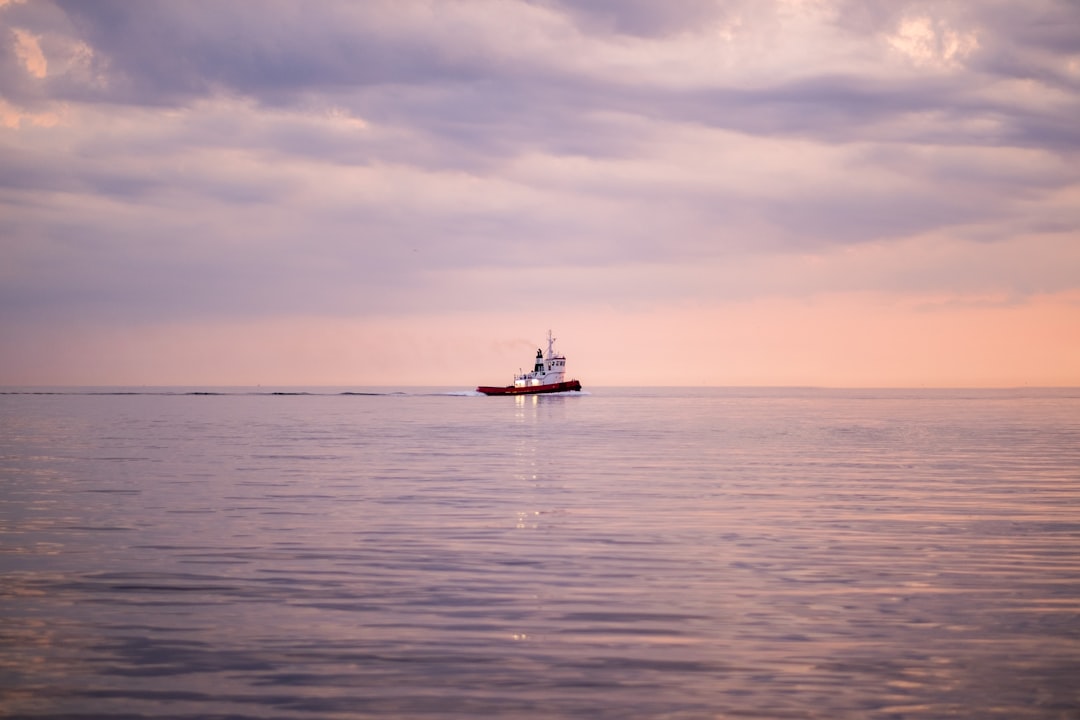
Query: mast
x=551 y=346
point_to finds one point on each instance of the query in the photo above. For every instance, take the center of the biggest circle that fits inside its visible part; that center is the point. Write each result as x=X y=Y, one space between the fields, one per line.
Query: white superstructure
x=547 y=370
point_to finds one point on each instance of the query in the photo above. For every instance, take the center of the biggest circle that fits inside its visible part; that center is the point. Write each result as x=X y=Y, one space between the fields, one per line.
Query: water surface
x=628 y=553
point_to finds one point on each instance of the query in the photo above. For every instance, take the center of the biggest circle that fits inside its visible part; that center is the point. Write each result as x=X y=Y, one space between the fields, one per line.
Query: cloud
x=28 y=50
x=640 y=17
x=176 y=161
x=494 y=75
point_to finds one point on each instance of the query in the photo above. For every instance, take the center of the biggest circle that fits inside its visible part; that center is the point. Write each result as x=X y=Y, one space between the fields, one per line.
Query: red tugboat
x=546 y=376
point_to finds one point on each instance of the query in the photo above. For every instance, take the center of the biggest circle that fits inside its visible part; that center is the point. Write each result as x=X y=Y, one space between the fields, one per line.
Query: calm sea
x=626 y=553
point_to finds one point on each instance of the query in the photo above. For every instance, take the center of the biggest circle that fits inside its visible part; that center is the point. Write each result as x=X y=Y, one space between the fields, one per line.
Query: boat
x=546 y=376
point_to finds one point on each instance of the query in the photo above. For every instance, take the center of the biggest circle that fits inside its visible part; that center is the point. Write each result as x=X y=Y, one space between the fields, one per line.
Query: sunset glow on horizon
x=812 y=193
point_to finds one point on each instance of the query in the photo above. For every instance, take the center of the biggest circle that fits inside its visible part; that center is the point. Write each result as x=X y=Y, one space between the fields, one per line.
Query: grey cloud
x=157 y=265
x=148 y=236
x=1019 y=40
x=169 y=52
x=644 y=18
x=286 y=54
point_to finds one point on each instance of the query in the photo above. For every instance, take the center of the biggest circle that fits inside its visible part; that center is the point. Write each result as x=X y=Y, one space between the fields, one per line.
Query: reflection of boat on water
x=546 y=376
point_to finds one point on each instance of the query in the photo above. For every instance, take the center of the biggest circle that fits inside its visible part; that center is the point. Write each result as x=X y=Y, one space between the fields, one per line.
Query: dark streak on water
x=630 y=553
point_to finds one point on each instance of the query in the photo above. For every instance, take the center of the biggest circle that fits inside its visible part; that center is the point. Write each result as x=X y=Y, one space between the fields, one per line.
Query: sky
x=832 y=193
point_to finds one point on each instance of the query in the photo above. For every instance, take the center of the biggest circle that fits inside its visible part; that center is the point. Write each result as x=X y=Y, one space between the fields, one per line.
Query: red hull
x=531 y=389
